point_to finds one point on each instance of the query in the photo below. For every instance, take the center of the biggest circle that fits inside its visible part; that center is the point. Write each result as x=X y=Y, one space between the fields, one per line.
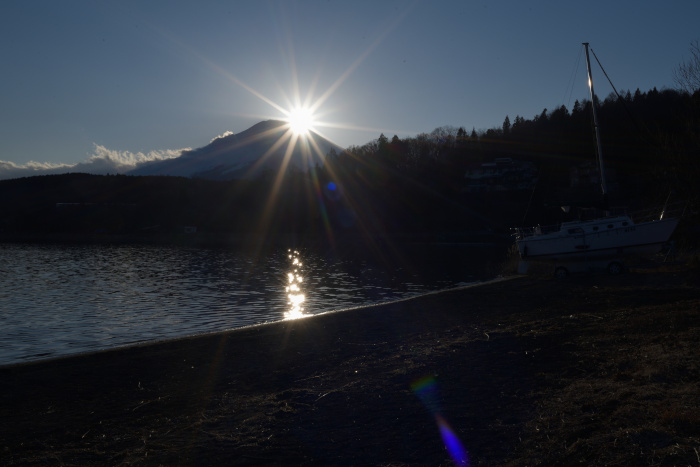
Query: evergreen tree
x=542 y=117
x=577 y=107
x=506 y=126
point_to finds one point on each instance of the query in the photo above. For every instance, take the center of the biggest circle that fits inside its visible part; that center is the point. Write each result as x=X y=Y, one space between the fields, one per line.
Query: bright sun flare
x=301 y=120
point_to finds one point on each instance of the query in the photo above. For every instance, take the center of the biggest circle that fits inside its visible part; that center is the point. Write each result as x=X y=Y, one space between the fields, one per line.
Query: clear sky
x=133 y=78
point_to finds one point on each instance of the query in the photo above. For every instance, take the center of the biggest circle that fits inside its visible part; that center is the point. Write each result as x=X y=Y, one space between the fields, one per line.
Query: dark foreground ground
x=593 y=370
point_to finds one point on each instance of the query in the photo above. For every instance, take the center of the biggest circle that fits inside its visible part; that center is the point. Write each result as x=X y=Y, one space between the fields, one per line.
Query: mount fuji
x=261 y=148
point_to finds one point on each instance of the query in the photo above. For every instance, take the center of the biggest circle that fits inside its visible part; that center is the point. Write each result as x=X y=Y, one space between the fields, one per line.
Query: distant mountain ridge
x=248 y=154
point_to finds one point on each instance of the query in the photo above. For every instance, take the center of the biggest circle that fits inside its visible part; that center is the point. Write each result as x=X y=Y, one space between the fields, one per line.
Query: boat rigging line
x=643 y=131
x=572 y=80
x=606 y=75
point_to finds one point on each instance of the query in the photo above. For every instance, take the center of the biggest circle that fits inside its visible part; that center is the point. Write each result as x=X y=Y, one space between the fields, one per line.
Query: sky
x=112 y=83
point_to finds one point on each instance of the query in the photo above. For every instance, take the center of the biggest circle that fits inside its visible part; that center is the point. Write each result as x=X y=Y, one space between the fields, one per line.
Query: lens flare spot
x=427 y=391
x=452 y=444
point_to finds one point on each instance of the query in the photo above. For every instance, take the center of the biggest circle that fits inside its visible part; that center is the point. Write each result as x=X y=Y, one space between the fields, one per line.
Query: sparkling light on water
x=295 y=294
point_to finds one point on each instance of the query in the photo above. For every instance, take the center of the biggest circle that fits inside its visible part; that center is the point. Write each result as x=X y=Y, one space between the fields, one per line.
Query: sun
x=301 y=120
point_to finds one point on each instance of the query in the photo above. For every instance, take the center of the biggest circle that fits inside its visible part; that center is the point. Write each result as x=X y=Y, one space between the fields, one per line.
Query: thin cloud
x=224 y=135
x=102 y=161
x=11 y=170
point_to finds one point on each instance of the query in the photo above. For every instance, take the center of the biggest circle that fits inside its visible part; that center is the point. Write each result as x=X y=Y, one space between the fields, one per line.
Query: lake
x=58 y=300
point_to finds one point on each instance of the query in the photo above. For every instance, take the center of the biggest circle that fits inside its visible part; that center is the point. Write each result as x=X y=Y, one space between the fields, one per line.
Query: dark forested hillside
x=414 y=186
x=82 y=203
x=651 y=143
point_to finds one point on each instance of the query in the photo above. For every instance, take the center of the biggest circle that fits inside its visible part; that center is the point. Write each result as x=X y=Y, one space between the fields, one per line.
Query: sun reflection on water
x=295 y=294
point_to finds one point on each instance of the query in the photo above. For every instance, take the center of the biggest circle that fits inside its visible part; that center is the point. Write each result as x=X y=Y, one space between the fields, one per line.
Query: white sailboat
x=609 y=238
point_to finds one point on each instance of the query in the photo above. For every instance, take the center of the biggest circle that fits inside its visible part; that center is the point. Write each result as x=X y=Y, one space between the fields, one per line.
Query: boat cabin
x=595 y=226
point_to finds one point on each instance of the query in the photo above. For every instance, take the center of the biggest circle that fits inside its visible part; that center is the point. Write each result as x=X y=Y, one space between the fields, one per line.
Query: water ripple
x=57 y=299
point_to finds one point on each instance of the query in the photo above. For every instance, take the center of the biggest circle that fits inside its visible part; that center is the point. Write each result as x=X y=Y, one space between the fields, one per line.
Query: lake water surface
x=58 y=300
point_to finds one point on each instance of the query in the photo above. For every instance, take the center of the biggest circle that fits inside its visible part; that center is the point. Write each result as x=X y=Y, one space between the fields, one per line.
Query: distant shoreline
x=248 y=239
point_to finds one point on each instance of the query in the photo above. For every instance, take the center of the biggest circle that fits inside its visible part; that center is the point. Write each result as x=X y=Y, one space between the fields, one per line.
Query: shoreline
x=230 y=330
x=523 y=371
x=255 y=240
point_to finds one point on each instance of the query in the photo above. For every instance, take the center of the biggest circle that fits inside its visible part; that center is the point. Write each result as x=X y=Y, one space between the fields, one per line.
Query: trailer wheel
x=615 y=268
x=561 y=273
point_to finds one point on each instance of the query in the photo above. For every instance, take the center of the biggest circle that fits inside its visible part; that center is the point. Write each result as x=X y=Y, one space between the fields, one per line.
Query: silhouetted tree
x=687 y=75
x=559 y=117
x=577 y=107
x=506 y=127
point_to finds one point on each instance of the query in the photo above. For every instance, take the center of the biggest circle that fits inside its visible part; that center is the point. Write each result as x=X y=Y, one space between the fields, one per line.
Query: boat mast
x=603 y=185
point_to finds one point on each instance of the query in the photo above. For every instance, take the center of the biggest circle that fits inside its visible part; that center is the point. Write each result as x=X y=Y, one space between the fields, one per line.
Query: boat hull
x=643 y=238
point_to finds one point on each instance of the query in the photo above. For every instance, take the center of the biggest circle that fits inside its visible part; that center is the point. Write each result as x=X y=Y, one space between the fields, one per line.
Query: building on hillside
x=587 y=174
x=503 y=174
